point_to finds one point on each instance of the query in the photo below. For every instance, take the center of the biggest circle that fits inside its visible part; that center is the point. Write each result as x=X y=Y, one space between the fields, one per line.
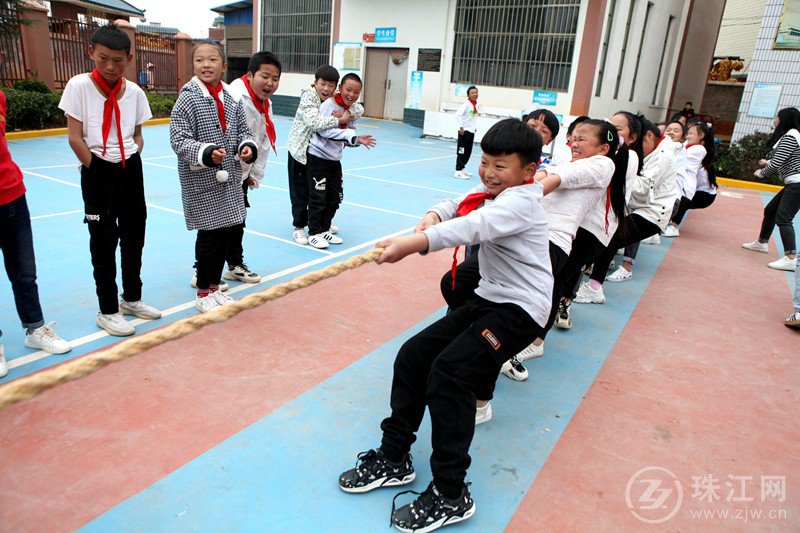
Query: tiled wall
x=769 y=66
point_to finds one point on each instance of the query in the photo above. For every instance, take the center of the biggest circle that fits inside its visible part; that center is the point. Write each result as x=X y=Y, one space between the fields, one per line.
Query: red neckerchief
x=339 y=100
x=214 y=92
x=474 y=106
x=467 y=206
x=660 y=140
x=569 y=143
x=694 y=144
x=263 y=108
x=608 y=205
x=111 y=107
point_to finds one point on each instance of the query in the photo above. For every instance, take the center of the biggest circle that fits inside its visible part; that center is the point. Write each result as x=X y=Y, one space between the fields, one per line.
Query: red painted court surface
x=673 y=406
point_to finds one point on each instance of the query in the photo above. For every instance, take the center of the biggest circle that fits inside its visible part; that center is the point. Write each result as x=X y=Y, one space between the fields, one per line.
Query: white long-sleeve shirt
x=685 y=181
x=695 y=168
x=583 y=183
x=595 y=221
x=514 y=257
x=258 y=125
x=467 y=118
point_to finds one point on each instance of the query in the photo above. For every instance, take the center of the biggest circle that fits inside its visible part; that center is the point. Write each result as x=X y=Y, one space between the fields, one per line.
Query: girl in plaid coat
x=209 y=133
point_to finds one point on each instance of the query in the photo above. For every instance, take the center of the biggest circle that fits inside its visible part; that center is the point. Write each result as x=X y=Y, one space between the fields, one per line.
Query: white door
x=396 y=81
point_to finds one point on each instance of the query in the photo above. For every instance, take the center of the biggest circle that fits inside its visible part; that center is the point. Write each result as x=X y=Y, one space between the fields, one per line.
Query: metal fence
x=69 y=44
x=156 y=62
x=12 y=66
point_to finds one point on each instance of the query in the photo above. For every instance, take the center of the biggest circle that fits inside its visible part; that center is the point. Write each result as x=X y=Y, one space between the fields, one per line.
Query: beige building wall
x=740 y=25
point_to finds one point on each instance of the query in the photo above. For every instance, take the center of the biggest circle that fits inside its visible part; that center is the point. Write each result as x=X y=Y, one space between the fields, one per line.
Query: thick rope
x=28 y=387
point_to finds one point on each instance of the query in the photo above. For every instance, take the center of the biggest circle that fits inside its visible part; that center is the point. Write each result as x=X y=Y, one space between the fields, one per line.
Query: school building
x=575 y=57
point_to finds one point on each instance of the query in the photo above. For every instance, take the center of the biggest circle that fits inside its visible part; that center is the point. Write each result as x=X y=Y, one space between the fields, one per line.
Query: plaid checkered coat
x=194 y=125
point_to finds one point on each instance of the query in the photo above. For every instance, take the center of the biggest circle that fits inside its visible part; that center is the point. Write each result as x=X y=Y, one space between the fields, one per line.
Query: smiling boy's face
x=350 y=91
x=265 y=81
x=499 y=172
x=325 y=88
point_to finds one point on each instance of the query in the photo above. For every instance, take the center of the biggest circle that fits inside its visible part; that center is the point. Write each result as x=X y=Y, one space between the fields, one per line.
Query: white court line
x=77 y=165
x=371 y=208
x=41 y=354
x=401 y=183
x=58 y=214
x=415 y=146
x=400 y=163
x=176 y=212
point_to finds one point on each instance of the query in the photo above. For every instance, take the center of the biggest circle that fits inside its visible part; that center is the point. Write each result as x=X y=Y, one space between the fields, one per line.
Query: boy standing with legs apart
x=104 y=117
x=442 y=366
x=307 y=121
x=467 y=118
x=254 y=89
x=325 y=162
x=209 y=133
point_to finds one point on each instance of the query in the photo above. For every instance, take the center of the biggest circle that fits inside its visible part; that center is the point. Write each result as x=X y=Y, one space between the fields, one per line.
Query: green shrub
x=740 y=159
x=31 y=85
x=161 y=104
x=30 y=110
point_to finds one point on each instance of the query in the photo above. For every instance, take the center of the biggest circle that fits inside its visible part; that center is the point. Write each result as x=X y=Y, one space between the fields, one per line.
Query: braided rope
x=30 y=386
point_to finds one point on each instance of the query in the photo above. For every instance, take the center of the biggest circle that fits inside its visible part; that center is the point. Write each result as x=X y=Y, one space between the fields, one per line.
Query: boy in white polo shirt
x=467 y=118
x=111 y=174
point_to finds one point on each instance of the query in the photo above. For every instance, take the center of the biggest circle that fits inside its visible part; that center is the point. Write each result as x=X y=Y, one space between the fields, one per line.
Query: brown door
x=375 y=75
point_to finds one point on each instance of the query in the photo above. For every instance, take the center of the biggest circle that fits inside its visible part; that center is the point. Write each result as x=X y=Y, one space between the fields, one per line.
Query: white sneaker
x=483 y=414
x=530 y=352
x=619 y=275
x=4 y=365
x=460 y=175
x=331 y=238
x=114 y=324
x=221 y=299
x=513 y=369
x=671 y=231
x=784 y=263
x=207 y=303
x=241 y=273
x=299 y=236
x=655 y=239
x=587 y=295
x=223 y=286
x=467 y=172
x=45 y=338
x=792 y=321
x=318 y=241
x=334 y=229
x=139 y=309
x=756 y=247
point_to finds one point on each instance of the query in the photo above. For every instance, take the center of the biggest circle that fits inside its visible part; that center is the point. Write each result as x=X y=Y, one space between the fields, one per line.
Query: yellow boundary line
x=15 y=135
x=752 y=185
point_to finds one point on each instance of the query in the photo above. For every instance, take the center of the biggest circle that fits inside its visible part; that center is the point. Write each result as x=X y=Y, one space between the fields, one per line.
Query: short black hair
x=327 y=73
x=112 y=38
x=550 y=120
x=574 y=123
x=263 y=58
x=511 y=136
x=689 y=103
x=352 y=76
x=470 y=88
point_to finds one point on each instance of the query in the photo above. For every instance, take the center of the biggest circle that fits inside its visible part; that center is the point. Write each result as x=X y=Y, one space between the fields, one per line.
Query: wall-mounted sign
x=429 y=59
x=461 y=89
x=415 y=94
x=788 y=35
x=368 y=37
x=764 y=102
x=347 y=56
x=545 y=97
x=385 y=35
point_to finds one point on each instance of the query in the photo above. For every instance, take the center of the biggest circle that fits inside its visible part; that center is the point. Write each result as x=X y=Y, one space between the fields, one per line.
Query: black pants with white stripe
x=325 y=193
x=464 y=149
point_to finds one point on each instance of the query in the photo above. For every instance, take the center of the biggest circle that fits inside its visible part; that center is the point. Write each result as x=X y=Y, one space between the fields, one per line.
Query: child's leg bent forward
x=334 y=195
x=298 y=192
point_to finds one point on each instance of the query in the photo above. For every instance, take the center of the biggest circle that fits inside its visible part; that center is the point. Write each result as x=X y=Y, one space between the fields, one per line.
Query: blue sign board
x=764 y=102
x=385 y=35
x=415 y=93
x=461 y=89
x=545 y=97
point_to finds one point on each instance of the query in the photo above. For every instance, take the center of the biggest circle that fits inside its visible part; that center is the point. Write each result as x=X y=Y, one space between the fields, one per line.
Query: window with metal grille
x=298 y=32
x=515 y=43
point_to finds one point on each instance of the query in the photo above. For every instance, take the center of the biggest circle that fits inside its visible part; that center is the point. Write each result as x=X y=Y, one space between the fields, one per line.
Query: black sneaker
x=373 y=470
x=432 y=510
x=564 y=317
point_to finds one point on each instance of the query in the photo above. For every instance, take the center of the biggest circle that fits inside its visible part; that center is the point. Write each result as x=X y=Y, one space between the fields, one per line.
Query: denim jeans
x=16 y=241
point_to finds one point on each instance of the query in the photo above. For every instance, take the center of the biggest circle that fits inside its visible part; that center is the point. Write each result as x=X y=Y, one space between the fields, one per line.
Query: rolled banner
x=222 y=176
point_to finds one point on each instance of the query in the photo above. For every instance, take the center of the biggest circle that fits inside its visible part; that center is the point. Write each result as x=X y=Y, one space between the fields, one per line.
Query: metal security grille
x=12 y=65
x=298 y=32
x=156 y=62
x=515 y=43
x=69 y=41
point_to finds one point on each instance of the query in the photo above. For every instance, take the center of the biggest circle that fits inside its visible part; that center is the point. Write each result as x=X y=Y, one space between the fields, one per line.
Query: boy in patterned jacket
x=307 y=120
x=209 y=133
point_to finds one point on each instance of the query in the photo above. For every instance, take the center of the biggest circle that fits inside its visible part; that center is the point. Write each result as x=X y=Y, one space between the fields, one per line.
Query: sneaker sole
x=563 y=325
x=482 y=420
x=792 y=324
x=618 y=280
x=234 y=277
x=116 y=333
x=781 y=268
x=513 y=376
x=377 y=484
x=36 y=347
x=446 y=521
x=756 y=250
x=139 y=315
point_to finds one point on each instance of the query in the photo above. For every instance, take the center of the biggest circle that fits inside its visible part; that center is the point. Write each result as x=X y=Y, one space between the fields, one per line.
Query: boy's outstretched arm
x=396 y=248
